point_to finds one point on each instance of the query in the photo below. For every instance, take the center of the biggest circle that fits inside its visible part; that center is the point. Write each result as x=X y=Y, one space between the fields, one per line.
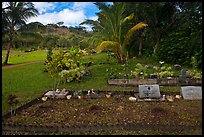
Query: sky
x=71 y=13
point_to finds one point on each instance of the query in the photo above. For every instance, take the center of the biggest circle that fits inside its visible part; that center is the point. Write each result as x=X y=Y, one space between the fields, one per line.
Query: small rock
x=132 y=99
x=170 y=98
x=80 y=97
x=69 y=96
x=178 y=96
x=163 y=97
x=44 y=98
x=57 y=91
x=108 y=95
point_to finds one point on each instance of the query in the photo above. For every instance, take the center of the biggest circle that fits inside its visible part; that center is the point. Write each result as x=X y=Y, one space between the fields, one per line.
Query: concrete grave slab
x=191 y=92
x=149 y=91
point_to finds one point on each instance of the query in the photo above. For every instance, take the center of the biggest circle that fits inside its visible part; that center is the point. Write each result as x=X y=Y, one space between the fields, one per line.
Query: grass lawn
x=29 y=81
x=18 y=56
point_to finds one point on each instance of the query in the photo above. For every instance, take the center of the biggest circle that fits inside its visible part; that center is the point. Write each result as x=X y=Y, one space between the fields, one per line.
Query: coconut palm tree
x=15 y=14
x=110 y=26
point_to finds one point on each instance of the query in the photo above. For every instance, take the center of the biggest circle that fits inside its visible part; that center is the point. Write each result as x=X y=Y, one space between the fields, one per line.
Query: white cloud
x=69 y=17
x=4 y=4
x=44 y=6
x=82 y=5
x=94 y=18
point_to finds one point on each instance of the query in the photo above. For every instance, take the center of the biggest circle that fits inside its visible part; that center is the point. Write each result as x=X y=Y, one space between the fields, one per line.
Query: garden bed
x=117 y=110
x=162 y=82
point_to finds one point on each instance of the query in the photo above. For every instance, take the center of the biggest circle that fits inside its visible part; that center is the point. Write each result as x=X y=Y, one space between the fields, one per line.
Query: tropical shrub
x=194 y=74
x=140 y=71
x=165 y=71
x=66 y=65
x=74 y=73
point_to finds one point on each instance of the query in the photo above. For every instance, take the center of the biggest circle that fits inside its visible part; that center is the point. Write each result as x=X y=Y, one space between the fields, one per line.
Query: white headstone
x=149 y=91
x=191 y=92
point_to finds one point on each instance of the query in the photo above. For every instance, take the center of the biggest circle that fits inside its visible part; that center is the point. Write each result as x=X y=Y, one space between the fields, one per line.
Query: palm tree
x=15 y=14
x=110 y=25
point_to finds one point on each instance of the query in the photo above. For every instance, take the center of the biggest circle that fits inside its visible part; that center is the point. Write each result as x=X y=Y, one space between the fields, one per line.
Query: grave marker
x=191 y=92
x=149 y=91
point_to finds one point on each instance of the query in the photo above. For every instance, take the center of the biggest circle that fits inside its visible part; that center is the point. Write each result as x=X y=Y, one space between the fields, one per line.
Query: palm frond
x=135 y=28
x=108 y=45
x=113 y=46
x=128 y=18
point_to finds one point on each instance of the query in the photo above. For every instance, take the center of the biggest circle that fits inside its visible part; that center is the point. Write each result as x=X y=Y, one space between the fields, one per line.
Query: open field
x=18 y=56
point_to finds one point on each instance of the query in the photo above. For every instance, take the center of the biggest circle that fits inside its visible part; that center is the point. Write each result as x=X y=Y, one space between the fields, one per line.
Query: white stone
x=44 y=98
x=132 y=99
x=69 y=96
x=178 y=96
x=57 y=91
x=170 y=98
x=108 y=96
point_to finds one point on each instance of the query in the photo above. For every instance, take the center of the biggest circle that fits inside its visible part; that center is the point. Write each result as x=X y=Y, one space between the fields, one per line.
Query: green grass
x=18 y=56
x=29 y=81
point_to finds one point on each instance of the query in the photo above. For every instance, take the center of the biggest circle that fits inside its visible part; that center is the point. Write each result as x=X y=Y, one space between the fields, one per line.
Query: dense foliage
x=65 y=65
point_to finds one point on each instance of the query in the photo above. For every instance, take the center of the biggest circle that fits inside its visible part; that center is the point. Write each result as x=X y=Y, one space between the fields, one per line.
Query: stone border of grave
x=161 y=82
x=129 y=126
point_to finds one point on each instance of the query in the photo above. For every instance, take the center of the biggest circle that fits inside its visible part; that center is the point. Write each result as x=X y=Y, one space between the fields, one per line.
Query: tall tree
x=110 y=25
x=185 y=40
x=160 y=17
x=15 y=14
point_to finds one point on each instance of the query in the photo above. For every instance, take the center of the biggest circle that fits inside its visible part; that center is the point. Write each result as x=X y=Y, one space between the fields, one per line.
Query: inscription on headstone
x=149 y=91
x=191 y=92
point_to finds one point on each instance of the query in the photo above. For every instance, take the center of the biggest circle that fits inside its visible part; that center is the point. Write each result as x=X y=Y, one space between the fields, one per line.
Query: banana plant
x=111 y=27
x=121 y=48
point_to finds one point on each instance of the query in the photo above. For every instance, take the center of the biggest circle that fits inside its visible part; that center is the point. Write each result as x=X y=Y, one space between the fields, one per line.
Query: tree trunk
x=10 y=45
x=140 y=46
x=120 y=59
x=120 y=55
x=157 y=43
